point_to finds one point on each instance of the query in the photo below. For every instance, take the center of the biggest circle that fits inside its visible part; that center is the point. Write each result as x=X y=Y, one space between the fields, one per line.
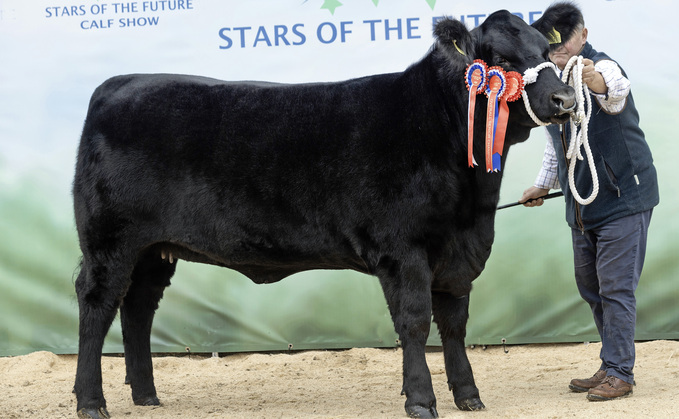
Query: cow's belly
x=260 y=265
x=265 y=244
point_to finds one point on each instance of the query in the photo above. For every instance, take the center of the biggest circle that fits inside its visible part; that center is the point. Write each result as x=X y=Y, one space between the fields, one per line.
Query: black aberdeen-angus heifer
x=368 y=174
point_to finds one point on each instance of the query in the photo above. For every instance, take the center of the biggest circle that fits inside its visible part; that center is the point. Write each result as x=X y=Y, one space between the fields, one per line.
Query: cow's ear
x=454 y=38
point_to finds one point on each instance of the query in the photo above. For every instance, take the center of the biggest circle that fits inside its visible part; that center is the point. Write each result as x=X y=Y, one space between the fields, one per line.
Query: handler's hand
x=592 y=78
x=531 y=197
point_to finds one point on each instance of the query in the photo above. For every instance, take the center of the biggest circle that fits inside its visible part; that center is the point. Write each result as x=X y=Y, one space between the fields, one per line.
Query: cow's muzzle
x=564 y=102
x=561 y=103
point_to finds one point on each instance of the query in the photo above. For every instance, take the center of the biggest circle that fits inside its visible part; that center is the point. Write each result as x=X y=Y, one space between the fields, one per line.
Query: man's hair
x=560 y=22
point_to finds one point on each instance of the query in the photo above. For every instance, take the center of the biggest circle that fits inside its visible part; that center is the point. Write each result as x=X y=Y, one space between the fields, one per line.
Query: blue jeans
x=608 y=262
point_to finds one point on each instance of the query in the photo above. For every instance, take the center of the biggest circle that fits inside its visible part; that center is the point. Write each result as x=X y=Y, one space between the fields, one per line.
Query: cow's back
x=206 y=126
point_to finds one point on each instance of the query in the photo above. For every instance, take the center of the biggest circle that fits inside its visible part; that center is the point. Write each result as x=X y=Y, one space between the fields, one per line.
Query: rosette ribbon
x=495 y=89
x=475 y=78
x=513 y=90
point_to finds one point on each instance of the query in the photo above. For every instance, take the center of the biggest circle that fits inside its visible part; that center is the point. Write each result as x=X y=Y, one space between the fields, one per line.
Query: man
x=609 y=234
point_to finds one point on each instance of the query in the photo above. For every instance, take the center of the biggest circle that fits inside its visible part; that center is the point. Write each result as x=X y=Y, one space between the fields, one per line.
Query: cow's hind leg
x=450 y=314
x=408 y=294
x=100 y=288
x=150 y=277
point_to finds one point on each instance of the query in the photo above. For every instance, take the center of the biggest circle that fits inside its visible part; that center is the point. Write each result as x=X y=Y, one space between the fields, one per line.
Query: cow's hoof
x=470 y=404
x=147 y=401
x=100 y=413
x=421 y=412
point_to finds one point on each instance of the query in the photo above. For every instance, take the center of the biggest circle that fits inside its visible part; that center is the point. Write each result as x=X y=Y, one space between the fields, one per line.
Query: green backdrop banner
x=55 y=53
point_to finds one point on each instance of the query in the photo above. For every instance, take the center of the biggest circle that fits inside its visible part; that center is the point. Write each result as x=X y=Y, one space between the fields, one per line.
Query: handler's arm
x=606 y=81
x=593 y=78
x=547 y=177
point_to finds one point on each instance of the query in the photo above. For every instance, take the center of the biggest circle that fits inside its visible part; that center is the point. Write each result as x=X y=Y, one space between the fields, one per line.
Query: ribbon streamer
x=495 y=89
x=475 y=78
x=514 y=83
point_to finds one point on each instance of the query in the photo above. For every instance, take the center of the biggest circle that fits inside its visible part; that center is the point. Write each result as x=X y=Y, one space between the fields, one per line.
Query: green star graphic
x=331 y=5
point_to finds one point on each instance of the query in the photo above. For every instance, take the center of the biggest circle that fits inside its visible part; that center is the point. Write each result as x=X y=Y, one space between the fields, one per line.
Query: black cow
x=269 y=179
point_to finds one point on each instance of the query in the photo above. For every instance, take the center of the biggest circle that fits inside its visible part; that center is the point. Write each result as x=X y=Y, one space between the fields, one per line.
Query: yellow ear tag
x=553 y=36
x=458 y=48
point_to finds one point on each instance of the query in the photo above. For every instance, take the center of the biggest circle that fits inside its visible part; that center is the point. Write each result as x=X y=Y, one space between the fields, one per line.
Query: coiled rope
x=579 y=119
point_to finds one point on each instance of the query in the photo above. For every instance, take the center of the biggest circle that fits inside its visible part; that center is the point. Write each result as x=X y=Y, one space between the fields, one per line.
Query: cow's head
x=507 y=41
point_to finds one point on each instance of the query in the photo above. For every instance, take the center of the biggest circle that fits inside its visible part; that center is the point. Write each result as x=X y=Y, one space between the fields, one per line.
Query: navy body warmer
x=624 y=164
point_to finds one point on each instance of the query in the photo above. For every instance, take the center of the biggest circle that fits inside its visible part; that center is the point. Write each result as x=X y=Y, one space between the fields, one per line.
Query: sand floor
x=530 y=381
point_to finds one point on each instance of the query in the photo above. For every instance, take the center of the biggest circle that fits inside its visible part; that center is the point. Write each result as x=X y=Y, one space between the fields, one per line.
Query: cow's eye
x=501 y=61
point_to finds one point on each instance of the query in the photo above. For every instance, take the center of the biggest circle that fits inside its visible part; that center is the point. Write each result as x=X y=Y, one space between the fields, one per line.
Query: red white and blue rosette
x=495 y=89
x=497 y=82
x=476 y=75
x=475 y=79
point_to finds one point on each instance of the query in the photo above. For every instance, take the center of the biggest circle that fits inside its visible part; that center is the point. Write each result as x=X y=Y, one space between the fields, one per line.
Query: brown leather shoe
x=580 y=386
x=611 y=388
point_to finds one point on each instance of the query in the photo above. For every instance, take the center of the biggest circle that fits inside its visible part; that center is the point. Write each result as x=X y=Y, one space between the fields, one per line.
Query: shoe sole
x=577 y=389
x=596 y=398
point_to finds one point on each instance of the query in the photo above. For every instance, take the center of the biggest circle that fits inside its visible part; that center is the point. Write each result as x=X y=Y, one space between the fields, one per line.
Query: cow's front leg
x=408 y=295
x=450 y=314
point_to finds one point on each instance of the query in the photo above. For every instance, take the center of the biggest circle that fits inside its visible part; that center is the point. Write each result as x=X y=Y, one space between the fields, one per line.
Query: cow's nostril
x=564 y=101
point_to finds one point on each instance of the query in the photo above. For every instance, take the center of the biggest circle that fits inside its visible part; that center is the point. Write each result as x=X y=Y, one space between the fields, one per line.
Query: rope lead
x=579 y=138
x=579 y=118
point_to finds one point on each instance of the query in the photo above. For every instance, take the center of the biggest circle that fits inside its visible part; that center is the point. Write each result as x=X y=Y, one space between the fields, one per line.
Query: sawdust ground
x=530 y=381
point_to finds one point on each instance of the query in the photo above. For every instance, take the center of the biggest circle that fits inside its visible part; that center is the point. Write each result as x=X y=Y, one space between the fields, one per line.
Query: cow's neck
x=489 y=186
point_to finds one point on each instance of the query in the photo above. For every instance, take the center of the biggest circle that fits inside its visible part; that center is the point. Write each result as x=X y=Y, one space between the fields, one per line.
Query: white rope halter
x=579 y=137
x=531 y=76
